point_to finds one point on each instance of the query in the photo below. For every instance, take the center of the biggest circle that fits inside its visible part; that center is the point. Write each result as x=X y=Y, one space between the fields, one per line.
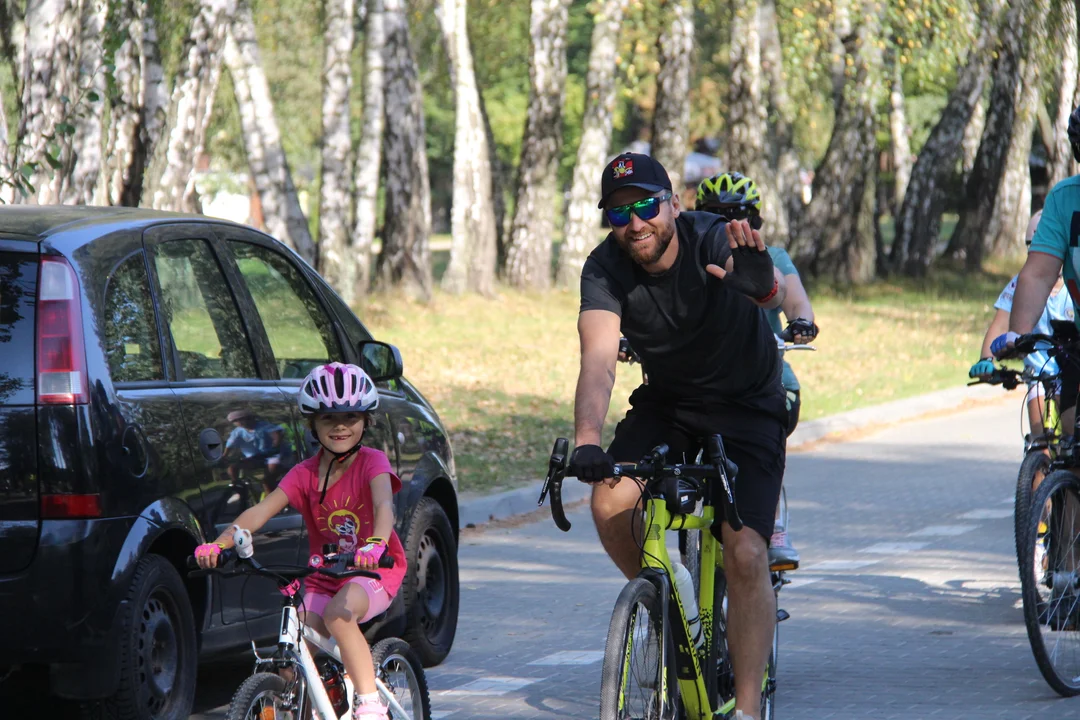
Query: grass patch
x=501 y=373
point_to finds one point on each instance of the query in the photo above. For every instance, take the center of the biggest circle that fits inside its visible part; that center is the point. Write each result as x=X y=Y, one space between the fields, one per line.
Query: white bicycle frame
x=290 y=640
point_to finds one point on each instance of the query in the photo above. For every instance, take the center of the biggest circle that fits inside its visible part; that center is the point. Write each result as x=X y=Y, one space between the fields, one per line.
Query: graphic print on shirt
x=340 y=519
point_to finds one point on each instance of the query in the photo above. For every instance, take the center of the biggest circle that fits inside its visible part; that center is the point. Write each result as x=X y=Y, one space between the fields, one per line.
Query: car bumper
x=65 y=604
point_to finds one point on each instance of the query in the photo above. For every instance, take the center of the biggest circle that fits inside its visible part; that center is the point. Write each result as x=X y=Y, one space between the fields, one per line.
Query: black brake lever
x=728 y=472
x=553 y=483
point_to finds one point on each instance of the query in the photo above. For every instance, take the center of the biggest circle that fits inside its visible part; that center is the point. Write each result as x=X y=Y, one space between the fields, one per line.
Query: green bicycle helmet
x=732 y=195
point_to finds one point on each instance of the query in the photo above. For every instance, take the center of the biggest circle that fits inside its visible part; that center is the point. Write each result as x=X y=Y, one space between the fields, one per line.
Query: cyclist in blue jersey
x=735 y=196
x=1058 y=307
x=1055 y=247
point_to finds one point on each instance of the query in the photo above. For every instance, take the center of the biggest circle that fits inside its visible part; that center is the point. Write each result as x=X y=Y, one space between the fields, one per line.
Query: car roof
x=40 y=221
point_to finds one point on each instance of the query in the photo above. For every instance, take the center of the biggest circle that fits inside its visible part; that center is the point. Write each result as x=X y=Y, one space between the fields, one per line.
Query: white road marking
x=491 y=686
x=942 y=531
x=571 y=657
x=802 y=581
x=986 y=514
x=894 y=548
x=827 y=566
x=440 y=714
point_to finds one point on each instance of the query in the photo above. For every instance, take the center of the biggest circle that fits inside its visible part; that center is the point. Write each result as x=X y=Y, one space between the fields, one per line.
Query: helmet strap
x=338 y=458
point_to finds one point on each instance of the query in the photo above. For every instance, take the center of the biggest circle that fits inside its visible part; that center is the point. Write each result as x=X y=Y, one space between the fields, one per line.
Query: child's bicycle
x=652 y=670
x=316 y=687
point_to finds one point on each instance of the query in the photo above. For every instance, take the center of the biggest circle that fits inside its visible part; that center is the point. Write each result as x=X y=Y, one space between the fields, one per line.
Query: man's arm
x=796 y=303
x=1033 y=287
x=599 y=331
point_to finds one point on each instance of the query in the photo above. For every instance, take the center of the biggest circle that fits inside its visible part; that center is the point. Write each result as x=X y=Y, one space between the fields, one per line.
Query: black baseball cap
x=633 y=170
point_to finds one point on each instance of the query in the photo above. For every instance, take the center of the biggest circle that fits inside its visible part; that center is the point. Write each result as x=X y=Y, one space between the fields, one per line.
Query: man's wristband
x=772 y=293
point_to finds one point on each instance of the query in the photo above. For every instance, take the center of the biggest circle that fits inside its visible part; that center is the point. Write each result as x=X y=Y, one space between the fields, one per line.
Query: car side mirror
x=381 y=361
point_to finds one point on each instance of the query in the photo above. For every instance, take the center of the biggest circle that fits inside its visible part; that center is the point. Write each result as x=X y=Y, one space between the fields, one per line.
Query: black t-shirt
x=700 y=342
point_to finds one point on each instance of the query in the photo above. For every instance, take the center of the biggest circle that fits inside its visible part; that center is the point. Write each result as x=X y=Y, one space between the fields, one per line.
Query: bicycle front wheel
x=403 y=674
x=635 y=685
x=1050 y=581
x=1032 y=470
x=259 y=697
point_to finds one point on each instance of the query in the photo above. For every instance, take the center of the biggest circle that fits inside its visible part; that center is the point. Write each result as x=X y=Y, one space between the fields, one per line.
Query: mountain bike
x=652 y=669
x=1048 y=542
x=295 y=684
x=1039 y=452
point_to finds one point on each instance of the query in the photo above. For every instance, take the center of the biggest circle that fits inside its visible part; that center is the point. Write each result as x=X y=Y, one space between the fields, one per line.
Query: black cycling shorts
x=794 y=403
x=754 y=441
x=1069 y=378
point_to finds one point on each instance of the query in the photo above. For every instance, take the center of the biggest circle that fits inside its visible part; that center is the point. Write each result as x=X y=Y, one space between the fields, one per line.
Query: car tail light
x=61 y=357
x=70 y=506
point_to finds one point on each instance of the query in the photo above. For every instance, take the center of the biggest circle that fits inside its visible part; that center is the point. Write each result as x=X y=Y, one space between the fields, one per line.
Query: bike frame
x=655 y=558
x=290 y=646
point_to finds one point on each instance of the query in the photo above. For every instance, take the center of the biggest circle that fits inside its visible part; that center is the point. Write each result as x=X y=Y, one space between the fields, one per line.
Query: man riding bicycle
x=733 y=196
x=1058 y=307
x=1054 y=245
x=686 y=289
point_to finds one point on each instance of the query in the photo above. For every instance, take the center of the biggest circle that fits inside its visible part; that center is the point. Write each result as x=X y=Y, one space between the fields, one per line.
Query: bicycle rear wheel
x=637 y=683
x=1032 y=469
x=1050 y=581
x=260 y=698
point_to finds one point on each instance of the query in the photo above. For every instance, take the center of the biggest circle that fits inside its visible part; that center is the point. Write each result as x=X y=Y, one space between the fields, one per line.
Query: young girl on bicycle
x=345 y=494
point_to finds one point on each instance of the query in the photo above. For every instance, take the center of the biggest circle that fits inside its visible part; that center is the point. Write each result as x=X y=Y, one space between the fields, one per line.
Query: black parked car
x=149 y=364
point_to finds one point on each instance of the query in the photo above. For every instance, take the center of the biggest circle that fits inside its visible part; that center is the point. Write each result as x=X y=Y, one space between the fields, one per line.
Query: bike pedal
x=782 y=615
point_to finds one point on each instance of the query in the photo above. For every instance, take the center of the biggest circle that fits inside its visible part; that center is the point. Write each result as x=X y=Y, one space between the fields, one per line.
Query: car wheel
x=430 y=589
x=158 y=652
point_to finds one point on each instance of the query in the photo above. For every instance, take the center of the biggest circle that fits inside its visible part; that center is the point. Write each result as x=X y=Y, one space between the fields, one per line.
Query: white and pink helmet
x=337 y=388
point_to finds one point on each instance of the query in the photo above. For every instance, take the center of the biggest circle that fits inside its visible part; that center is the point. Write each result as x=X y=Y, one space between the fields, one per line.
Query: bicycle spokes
x=641 y=695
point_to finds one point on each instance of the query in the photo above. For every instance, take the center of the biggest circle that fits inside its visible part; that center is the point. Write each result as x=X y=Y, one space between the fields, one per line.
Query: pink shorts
x=378 y=598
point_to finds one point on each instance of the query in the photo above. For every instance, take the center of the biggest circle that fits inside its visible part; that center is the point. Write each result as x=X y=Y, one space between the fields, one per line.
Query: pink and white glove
x=367 y=557
x=207 y=555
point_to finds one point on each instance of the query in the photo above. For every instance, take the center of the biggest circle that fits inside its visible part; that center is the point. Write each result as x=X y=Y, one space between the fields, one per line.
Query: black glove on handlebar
x=800 y=326
x=591 y=464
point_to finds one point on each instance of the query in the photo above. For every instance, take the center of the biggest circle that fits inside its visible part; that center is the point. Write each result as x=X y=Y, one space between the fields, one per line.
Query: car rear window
x=18 y=284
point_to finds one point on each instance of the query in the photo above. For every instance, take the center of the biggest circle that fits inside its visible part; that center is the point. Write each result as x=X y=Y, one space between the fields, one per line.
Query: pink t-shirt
x=346 y=516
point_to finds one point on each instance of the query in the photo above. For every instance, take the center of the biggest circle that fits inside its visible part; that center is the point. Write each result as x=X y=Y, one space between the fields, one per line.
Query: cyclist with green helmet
x=734 y=196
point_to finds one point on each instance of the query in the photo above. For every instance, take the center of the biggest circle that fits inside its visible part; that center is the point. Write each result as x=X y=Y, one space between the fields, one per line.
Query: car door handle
x=210 y=444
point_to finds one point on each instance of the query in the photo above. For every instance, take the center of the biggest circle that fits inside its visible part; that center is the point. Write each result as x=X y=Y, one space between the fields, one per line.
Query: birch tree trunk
x=671 y=117
x=334 y=196
x=970 y=238
x=582 y=217
x=918 y=223
x=369 y=152
x=138 y=108
x=49 y=74
x=1061 y=159
x=472 y=247
x=834 y=239
x=784 y=164
x=974 y=130
x=1012 y=210
x=898 y=133
x=170 y=178
x=528 y=260
x=282 y=215
x=81 y=175
x=748 y=134
x=405 y=260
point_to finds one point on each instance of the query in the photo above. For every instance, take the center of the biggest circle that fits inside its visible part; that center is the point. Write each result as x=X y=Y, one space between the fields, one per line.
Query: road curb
x=481 y=509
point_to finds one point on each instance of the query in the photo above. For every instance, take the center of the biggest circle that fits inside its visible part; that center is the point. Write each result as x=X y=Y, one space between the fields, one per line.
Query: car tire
x=158 y=649
x=430 y=589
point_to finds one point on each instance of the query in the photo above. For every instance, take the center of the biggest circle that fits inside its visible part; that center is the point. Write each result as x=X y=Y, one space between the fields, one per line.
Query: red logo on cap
x=623 y=168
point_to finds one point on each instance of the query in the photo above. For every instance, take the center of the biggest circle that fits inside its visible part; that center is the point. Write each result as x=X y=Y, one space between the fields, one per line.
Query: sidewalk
x=479 y=509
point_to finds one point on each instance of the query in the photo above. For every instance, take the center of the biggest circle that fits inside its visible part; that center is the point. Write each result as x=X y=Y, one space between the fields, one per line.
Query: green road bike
x=652 y=669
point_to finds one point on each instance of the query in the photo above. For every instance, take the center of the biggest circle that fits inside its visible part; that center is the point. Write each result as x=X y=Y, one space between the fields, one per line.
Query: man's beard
x=646 y=256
